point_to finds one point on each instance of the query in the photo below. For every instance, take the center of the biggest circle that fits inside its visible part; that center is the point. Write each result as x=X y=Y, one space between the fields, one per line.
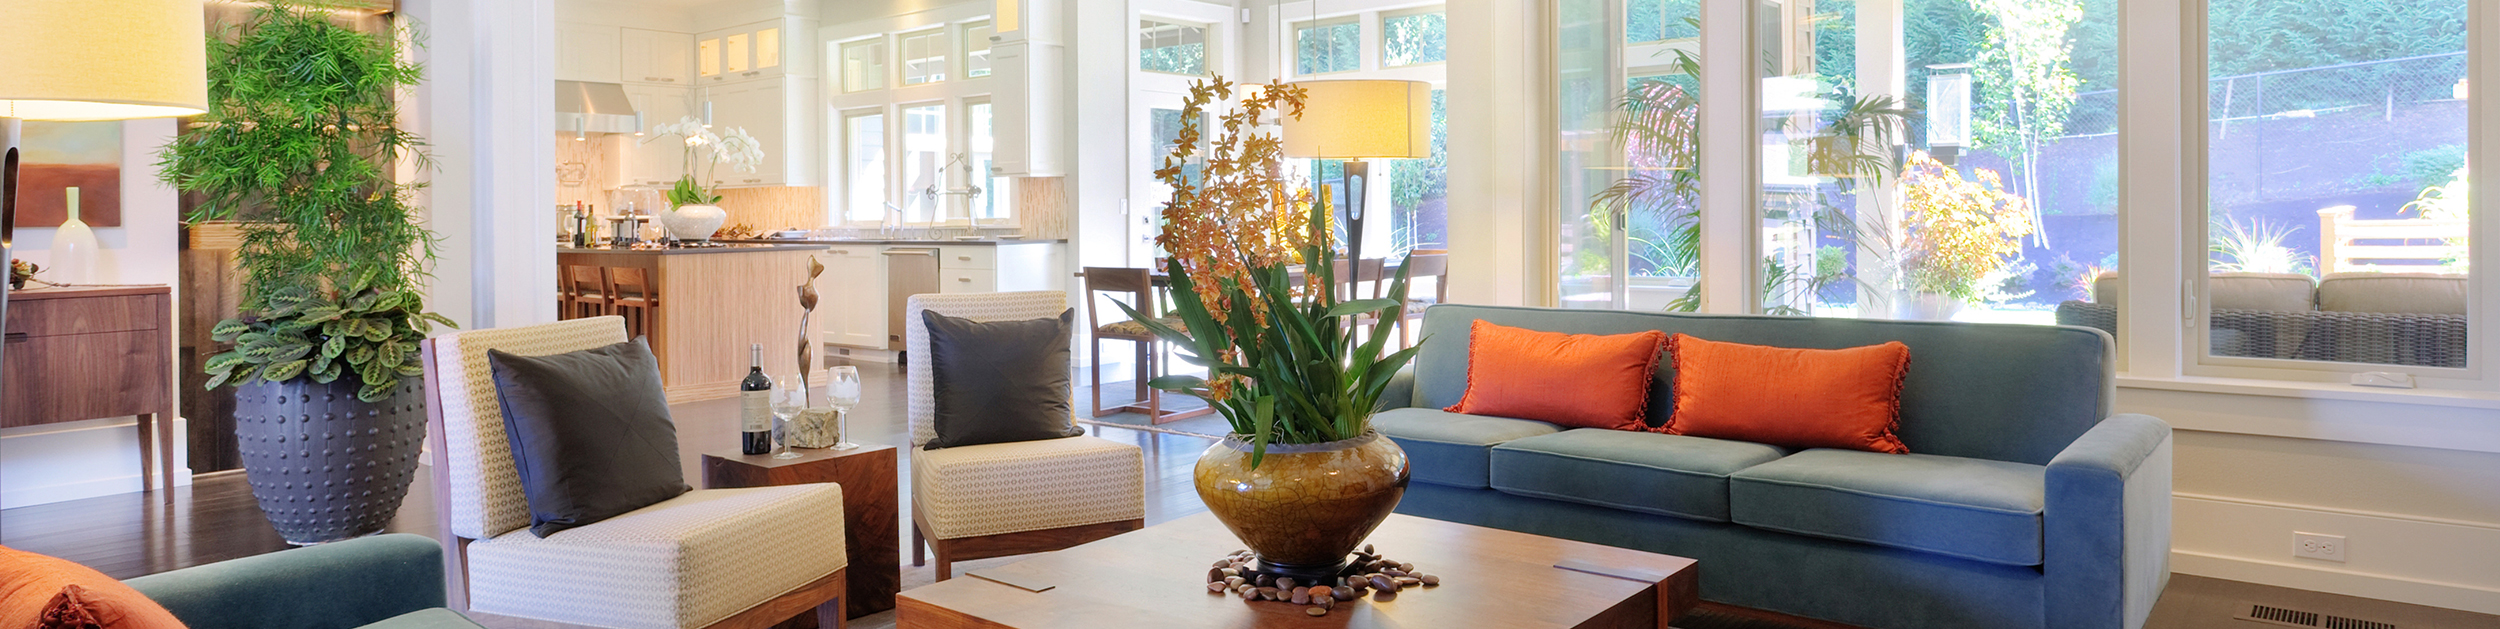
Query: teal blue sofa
x=2024 y=502
x=382 y=582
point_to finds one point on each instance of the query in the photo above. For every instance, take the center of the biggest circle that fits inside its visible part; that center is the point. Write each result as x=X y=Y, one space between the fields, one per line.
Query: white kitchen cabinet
x=1027 y=124
x=586 y=52
x=998 y=268
x=851 y=304
x=754 y=52
x=780 y=113
x=656 y=58
x=658 y=162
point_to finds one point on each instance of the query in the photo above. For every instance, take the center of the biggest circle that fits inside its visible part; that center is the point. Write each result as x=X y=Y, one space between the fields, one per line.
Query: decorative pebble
x=1266 y=580
x=1322 y=591
x=1215 y=575
x=1406 y=567
x=1234 y=581
x=1230 y=572
x=1346 y=594
x=1367 y=549
x=1219 y=563
x=1430 y=580
x=1384 y=584
x=1316 y=611
x=1325 y=602
x=1384 y=596
x=1301 y=596
x=1284 y=583
x=1217 y=588
x=1248 y=594
x=1407 y=582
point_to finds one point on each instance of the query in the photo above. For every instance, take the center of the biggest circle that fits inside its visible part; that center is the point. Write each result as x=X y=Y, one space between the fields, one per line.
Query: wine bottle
x=755 y=406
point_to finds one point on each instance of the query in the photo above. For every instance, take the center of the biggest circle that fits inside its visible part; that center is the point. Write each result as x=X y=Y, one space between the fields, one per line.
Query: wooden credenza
x=76 y=354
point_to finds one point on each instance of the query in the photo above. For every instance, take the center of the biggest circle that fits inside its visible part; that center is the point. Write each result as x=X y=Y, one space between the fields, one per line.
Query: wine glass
x=843 y=387
x=789 y=399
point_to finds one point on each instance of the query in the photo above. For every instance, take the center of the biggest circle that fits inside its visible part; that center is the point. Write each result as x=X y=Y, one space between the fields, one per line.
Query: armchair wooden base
x=950 y=551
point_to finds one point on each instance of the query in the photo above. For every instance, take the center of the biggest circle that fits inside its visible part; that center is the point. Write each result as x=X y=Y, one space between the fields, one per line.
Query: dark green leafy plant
x=297 y=149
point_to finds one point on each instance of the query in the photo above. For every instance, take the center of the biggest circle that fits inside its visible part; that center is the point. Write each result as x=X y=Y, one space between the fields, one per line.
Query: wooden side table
x=85 y=353
x=870 y=521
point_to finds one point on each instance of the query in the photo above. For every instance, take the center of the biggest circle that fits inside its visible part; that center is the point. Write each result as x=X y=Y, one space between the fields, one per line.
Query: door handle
x=911 y=252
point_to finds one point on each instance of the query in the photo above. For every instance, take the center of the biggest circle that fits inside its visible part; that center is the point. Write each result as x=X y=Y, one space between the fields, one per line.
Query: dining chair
x=1000 y=499
x=1136 y=288
x=712 y=558
x=1421 y=264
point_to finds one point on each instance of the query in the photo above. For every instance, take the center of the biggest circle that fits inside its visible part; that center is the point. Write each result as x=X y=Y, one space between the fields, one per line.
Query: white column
x=1101 y=41
x=1880 y=73
x=488 y=108
x=2161 y=142
x=1501 y=210
x=1730 y=156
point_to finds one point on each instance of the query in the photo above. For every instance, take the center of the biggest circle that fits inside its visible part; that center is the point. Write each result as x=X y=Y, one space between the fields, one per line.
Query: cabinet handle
x=964 y=258
x=966 y=280
x=17 y=337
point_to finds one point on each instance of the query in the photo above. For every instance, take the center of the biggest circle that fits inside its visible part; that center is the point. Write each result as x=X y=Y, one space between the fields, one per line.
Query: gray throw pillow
x=590 y=433
x=999 y=381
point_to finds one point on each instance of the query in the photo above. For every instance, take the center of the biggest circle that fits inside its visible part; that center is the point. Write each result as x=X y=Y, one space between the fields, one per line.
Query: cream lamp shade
x=102 y=59
x=1362 y=119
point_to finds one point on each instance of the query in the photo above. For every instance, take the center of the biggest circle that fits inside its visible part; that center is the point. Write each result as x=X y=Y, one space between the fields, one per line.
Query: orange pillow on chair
x=49 y=592
x=1582 y=380
x=1799 y=398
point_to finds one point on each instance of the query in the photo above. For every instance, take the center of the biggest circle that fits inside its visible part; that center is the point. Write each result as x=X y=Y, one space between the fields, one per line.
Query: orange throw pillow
x=48 y=592
x=1582 y=380
x=1799 y=398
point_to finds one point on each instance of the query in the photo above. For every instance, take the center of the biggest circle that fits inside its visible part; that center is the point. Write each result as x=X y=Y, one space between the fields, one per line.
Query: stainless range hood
x=586 y=108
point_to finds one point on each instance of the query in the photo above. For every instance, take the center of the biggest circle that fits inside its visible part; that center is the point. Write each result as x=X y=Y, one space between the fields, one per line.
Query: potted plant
x=1303 y=478
x=297 y=149
x=1958 y=233
x=692 y=214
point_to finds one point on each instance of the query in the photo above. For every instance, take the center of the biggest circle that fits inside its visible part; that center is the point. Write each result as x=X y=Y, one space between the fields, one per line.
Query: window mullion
x=2161 y=159
x=1729 y=112
x=2482 y=120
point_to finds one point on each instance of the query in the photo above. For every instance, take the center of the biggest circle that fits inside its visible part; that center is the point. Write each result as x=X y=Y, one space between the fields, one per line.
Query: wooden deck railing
x=2425 y=241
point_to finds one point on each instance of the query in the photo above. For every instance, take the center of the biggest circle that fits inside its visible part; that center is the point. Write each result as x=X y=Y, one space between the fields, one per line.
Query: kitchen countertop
x=869 y=241
x=734 y=247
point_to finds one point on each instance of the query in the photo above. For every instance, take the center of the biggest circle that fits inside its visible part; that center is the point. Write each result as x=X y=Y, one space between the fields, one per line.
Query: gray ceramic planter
x=324 y=465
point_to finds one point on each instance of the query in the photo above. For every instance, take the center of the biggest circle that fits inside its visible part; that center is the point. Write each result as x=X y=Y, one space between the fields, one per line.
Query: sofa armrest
x=1401 y=390
x=2106 y=529
x=340 y=584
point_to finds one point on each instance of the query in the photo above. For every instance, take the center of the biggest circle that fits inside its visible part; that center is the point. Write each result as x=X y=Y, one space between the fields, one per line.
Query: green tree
x=2028 y=88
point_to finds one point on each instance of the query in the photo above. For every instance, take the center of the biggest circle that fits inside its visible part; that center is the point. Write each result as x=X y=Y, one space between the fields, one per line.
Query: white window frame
x=885 y=126
x=1380 y=36
x=1207 y=45
x=964 y=51
x=1293 y=43
x=903 y=60
x=951 y=94
x=842 y=73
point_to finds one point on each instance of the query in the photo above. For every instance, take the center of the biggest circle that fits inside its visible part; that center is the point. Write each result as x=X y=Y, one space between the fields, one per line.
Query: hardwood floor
x=216 y=519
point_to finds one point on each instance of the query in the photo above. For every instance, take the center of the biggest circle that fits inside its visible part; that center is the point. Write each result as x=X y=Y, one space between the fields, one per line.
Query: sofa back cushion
x=2016 y=393
x=2408 y=293
x=1826 y=398
x=1514 y=372
x=2273 y=292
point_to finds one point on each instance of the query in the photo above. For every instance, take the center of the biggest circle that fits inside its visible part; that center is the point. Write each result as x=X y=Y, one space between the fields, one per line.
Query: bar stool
x=586 y=292
x=633 y=297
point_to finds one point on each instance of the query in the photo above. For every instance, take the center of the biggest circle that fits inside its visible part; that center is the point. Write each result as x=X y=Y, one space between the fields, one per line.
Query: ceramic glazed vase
x=693 y=222
x=324 y=465
x=1307 y=506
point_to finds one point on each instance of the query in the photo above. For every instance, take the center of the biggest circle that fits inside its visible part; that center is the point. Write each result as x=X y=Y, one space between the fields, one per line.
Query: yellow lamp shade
x=1359 y=119
x=102 y=59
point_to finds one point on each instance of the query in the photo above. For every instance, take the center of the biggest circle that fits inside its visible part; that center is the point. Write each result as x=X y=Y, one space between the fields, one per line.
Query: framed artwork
x=55 y=156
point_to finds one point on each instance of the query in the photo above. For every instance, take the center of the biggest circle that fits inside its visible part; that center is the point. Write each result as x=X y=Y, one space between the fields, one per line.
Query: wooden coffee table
x=1156 y=577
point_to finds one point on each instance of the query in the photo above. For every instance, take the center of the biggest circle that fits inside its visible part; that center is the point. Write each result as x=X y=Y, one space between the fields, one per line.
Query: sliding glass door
x=1628 y=183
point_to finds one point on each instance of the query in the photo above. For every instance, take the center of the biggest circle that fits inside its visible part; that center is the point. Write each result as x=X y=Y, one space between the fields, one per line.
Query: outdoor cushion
x=2275 y=292
x=1634 y=471
x=1969 y=508
x=2409 y=293
x=1450 y=448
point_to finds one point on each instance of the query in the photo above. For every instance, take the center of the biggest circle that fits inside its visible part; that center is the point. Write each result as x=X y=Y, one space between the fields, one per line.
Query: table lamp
x=1354 y=120
x=93 y=60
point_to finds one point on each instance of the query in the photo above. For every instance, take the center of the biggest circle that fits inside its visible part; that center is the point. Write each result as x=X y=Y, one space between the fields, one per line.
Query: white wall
x=487 y=108
x=41 y=464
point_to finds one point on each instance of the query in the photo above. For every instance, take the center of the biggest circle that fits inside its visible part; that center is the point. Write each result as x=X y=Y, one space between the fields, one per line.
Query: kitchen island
x=707 y=305
x=869 y=281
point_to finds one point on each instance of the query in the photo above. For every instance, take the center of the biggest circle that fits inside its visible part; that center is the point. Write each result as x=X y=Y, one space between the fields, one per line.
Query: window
x=924 y=56
x=1165 y=131
x=2005 y=207
x=1416 y=39
x=2352 y=254
x=997 y=198
x=1328 y=47
x=863 y=65
x=865 y=177
x=1651 y=21
x=1629 y=181
x=1171 y=48
x=924 y=156
x=977 y=49
x=1419 y=209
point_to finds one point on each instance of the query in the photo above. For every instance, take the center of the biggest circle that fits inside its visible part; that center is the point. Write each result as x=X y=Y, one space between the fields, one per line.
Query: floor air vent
x=2272 y=615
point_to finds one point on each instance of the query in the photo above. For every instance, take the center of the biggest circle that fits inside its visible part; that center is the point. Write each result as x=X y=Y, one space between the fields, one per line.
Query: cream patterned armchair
x=1000 y=499
x=719 y=558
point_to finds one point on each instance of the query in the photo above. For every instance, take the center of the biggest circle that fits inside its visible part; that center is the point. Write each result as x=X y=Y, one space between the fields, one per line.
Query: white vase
x=73 y=249
x=1927 y=307
x=693 y=222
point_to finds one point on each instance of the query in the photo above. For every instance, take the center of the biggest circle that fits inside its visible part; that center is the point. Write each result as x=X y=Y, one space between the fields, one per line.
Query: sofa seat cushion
x=1635 y=471
x=998 y=488
x=437 y=618
x=689 y=561
x=1453 y=449
x=1969 y=508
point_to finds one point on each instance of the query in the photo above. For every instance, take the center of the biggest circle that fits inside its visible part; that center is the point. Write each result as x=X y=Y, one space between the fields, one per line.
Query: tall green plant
x=297 y=148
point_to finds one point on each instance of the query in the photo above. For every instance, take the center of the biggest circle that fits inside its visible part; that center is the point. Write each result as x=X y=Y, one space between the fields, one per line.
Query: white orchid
x=738 y=148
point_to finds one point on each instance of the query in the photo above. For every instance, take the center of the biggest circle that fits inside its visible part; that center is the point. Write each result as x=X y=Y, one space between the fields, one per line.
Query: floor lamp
x=93 y=60
x=1354 y=120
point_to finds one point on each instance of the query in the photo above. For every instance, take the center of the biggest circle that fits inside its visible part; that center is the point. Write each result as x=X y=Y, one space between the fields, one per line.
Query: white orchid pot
x=694 y=221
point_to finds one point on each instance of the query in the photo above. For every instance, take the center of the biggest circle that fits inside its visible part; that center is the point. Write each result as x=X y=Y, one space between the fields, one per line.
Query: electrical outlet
x=2318 y=546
